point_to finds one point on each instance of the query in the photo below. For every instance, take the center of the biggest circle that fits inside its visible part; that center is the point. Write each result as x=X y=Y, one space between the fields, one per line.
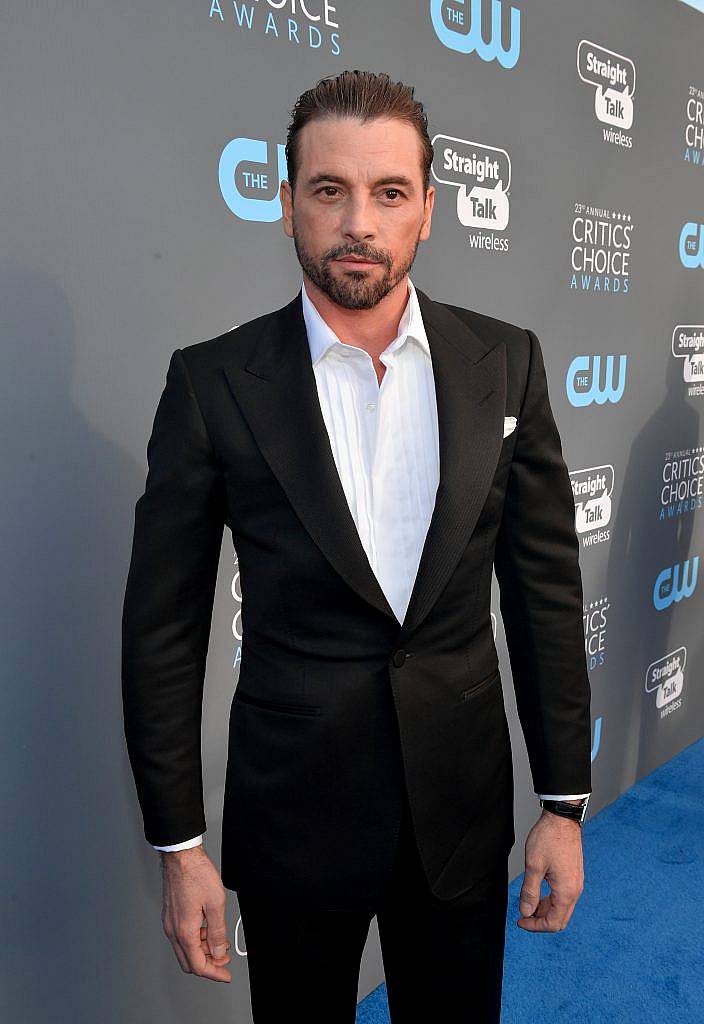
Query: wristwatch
x=577 y=812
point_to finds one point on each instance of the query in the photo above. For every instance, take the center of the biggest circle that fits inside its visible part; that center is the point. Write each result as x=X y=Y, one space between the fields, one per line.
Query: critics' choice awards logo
x=476 y=26
x=675 y=582
x=601 y=250
x=308 y=23
x=682 y=478
x=694 y=128
x=688 y=345
x=592 y=490
x=250 y=173
x=236 y=591
x=595 y=619
x=613 y=78
x=481 y=176
x=665 y=678
x=594 y=380
x=690 y=246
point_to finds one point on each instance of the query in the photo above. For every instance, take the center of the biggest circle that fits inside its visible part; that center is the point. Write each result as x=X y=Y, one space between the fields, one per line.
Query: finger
x=553 y=917
x=180 y=956
x=199 y=962
x=204 y=935
x=550 y=922
x=227 y=956
x=543 y=907
x=209 y=956
x=176 y=946
x=216 y=929
x=540 y=911
x=530 y=891
x=563 y=911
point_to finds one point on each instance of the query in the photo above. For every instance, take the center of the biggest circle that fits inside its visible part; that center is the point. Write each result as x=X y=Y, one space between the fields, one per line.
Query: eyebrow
x=393 y=179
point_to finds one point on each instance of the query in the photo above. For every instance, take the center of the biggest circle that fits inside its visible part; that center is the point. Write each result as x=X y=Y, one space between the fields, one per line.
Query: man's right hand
x=192 y=891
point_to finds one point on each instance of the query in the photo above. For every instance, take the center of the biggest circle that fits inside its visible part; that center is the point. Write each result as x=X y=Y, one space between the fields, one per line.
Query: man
x=375 y=453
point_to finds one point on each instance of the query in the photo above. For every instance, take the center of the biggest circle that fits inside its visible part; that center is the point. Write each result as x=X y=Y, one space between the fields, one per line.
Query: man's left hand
x=553 y=852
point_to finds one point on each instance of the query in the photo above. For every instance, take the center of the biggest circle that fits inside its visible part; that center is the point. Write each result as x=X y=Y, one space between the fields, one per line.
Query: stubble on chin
x=356 y=289
x=351 y=289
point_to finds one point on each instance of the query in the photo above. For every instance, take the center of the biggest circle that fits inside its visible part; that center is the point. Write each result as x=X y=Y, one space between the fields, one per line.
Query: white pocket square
x=509 y=424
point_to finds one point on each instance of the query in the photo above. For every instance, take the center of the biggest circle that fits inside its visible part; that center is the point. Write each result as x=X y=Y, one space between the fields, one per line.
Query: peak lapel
x=277 y=393
x=470 y=388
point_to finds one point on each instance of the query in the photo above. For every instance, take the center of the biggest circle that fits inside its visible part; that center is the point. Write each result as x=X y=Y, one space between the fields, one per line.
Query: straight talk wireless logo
x=688 y=346
x=592 y=490
x=480 y=177
x=665 y=678
x=613 y=78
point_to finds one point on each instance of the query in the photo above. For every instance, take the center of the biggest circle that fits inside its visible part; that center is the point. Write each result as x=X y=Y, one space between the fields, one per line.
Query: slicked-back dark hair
x=365 y=96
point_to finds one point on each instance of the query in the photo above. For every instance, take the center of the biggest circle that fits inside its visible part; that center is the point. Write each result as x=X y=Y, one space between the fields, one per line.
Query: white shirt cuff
x=185 y=845
x=569 y=796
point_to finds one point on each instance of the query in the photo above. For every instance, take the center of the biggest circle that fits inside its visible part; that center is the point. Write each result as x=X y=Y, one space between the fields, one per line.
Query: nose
x=358 y=223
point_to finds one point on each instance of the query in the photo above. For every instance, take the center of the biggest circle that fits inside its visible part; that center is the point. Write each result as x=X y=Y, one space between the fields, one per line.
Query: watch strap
x=565 y=809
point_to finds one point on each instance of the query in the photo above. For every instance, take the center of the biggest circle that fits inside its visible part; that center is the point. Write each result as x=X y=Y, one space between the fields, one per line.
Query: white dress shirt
x=384 y=438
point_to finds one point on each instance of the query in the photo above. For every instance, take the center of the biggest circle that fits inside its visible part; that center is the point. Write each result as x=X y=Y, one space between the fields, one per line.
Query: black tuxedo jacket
x=338 y=705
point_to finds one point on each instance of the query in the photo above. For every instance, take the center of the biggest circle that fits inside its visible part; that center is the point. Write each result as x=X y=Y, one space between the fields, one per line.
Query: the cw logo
x=583 y=381
x=449 y=18
x=245 y=164
x=670 y=587
x=691 y=245
x=597 y=738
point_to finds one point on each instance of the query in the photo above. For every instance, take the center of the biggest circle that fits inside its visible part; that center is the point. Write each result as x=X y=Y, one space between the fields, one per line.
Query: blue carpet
x=633 y=950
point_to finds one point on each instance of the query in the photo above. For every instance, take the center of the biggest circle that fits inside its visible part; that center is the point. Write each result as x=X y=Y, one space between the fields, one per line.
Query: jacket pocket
x=481 y=684
x=271 y=705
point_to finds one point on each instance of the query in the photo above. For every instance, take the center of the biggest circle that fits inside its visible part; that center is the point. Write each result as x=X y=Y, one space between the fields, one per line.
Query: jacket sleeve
x=536 y=561
x=167 y=612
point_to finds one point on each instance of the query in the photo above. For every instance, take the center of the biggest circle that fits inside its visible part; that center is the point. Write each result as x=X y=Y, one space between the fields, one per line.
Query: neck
x=369 y=329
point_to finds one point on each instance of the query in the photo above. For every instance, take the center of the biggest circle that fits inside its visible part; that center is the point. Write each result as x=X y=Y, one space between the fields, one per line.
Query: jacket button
x=399 y=658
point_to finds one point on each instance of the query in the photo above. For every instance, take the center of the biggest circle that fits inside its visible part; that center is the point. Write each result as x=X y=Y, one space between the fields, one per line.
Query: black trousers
x=443 y=959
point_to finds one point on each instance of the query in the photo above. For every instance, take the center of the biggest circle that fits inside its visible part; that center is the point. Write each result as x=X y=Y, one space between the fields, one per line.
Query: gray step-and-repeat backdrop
x=142 y=151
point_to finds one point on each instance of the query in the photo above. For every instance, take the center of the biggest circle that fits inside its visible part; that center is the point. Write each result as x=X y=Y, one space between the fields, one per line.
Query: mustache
x=366 y=254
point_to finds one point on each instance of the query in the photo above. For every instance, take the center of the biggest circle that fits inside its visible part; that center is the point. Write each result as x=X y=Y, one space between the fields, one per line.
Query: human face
x=359 y=193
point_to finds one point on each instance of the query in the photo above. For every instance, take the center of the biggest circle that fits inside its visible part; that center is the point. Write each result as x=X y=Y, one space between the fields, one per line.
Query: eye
x=329 y=189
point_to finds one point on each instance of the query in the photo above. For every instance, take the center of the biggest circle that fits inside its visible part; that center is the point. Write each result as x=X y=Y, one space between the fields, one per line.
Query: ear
x=286 y=198
x=428 y=213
